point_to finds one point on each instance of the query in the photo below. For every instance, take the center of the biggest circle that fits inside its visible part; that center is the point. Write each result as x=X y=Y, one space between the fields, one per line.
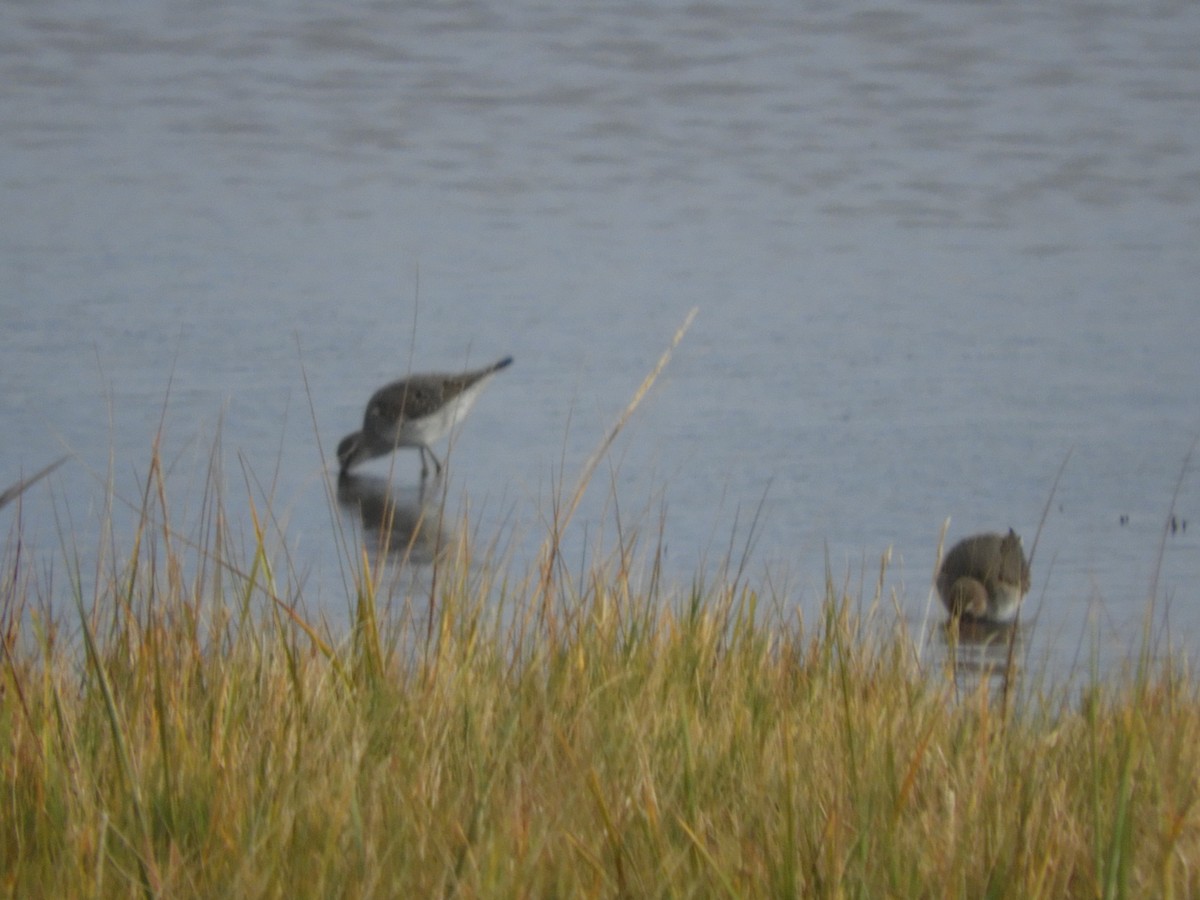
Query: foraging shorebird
x=414 y=412
x=984 y=578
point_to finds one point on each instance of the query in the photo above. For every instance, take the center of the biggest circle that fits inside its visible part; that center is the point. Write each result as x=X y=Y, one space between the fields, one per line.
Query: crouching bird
x=985 y=577
x=414 y=412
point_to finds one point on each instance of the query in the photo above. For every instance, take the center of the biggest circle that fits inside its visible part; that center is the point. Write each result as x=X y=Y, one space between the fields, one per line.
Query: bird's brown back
x=990 y=558
x=422 y=395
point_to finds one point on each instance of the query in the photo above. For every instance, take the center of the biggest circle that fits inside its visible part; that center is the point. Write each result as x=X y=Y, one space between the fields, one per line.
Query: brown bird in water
x=985 y=577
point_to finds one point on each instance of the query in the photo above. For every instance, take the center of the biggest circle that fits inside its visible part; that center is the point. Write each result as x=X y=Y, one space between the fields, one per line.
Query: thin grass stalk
x=250 y=583
x=143 y=847
x=1118 y=850
x=10 y=624
x=482 y=801
x=714 y=869
x=1146 y=655
x=163 y=717
x=786 y=874
x=550 y=551
x=611 y=832
x=368 y=652
x=15 y=490
x=836 y=637
x=434 y=577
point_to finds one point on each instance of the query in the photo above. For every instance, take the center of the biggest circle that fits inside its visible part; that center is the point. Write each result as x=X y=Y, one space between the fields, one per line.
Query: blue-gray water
x=937 y=248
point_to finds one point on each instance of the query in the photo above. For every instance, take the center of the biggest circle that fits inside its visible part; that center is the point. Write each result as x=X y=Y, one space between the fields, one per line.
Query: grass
x=189 y=730
x=198 y=737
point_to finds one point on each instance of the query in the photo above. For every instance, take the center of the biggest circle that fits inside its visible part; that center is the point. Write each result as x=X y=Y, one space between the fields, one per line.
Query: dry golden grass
x=196 y=737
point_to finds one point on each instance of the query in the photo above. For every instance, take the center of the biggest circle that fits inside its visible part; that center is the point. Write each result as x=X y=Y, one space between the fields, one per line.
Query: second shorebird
x=414 y=412
x=984 y=578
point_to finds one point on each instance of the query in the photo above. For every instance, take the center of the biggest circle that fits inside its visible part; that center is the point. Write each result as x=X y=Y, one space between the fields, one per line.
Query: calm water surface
x=937 y=249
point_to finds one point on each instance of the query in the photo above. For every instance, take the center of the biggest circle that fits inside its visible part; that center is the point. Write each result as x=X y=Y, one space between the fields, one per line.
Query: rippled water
x=936 y=248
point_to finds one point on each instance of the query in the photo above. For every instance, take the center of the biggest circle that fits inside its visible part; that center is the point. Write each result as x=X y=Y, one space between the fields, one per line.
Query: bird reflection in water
x=402 y=522
x=983 y=651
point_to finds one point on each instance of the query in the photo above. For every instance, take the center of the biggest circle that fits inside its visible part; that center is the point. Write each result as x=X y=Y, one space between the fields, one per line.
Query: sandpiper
x=985 y=577
x=414 y=412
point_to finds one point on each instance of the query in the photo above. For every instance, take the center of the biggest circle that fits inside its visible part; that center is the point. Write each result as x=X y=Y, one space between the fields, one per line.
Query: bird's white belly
x=1006 y=602
x=415 y=432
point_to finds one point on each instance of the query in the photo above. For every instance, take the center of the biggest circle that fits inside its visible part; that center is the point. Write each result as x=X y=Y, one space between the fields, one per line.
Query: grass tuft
x=196 y=741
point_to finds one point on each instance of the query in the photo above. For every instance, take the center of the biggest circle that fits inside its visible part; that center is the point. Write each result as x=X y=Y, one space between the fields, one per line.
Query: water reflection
x=403 y=523
x=979 y=651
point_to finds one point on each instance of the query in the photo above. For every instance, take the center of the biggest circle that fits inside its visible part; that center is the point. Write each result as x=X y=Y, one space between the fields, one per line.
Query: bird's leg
x=437 y=463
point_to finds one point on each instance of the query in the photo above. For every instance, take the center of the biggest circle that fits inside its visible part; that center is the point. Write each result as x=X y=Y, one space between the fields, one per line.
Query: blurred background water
x=937 y=249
